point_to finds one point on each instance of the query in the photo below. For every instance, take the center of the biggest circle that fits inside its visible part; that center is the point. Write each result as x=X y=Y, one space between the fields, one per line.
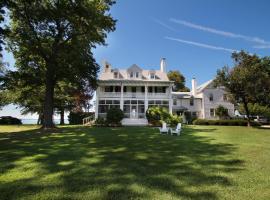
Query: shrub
x=8 y=120
x=174 y=120
x=77 y=117
x=234 y=122
x=221 y=112
x=114 y=116
x=100 y=122
x=155 y=115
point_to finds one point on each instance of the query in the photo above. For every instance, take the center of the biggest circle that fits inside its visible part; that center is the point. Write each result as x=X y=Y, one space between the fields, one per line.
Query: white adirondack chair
x=176 y=131
x=164 y=128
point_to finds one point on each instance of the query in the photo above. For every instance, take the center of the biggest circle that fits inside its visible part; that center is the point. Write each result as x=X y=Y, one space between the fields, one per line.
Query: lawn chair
x=176 y=131
x=164 y=128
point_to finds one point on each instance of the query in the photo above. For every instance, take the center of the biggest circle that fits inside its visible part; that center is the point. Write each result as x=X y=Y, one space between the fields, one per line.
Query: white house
x=134 y=90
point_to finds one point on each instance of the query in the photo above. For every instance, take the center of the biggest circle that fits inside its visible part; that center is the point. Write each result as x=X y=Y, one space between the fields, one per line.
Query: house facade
x=134 y=90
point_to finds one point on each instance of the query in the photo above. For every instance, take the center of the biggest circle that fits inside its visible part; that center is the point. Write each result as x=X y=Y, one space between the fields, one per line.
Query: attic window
x=115 y=74
x=152 y=76
x=131 y=74
x=137 y=74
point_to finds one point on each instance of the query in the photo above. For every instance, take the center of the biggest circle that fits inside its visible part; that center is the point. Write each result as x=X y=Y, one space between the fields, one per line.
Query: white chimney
x=194 y=86
x=163 y=65
x=106 y=66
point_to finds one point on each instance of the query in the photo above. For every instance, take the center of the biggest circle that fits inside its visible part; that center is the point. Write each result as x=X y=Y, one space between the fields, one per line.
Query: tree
x=221 y=112
x=60 y=35
x=179 y=81
x=247 y=81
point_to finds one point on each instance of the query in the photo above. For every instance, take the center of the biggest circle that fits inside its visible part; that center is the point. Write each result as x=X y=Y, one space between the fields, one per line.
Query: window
x=158 y=102
x=164 y=89
x=212 y=112
x=137 y=74
x=133 y=89
x=152 y=76
x=225 y=97
x=125 y=88
x=116 y=102
x=174 y=102
x=115 y=74
x=108 y=89
x=191 y=101
x=211 y=97
x=150 y=89
x=131 y=74
x=165 y=102
x=140 y=102
x=142 y=89
x=117 y=89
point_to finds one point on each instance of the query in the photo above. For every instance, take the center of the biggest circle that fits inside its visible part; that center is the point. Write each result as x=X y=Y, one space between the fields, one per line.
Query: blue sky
x=196 y=37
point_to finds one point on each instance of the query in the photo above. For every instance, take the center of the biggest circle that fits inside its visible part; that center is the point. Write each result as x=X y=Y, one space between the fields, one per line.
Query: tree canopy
x=248 y=81
x=52 y=41
x=179 y=81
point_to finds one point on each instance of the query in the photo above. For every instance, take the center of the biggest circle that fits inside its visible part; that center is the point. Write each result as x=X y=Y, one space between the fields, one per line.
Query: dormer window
x=115 y=74
x=131 y=74
x=137 y=74
x=152 y=76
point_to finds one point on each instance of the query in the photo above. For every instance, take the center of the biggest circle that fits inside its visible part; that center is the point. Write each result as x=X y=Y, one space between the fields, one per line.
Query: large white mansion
x=134 y=90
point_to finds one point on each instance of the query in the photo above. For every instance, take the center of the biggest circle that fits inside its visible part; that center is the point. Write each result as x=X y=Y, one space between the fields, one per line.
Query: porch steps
x=134 y=122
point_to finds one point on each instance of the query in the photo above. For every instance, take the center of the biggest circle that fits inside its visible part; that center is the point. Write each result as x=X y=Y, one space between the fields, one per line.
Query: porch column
x=96 y=103
x=145 y=98
x=170 y=99
x=122 y=97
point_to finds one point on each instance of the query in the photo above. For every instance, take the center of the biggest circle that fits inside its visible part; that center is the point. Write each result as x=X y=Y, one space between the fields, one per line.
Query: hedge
x=231 y=122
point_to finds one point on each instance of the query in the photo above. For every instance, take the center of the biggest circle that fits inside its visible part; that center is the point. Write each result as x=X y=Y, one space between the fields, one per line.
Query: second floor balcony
x=150 y=95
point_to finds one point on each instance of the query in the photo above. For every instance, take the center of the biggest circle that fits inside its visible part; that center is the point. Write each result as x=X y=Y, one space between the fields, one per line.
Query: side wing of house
x=213 y=97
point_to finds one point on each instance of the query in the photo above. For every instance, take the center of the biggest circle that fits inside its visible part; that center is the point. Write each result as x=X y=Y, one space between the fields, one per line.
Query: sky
x=196 y=37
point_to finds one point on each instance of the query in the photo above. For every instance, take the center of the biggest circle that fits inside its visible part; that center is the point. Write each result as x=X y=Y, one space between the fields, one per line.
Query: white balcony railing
x=157 y=95
x=134 y=95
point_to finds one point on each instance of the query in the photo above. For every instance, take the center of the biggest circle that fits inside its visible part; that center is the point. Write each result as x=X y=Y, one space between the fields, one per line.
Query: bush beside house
x=231 y=122
x=155 y=116
x=113 y=118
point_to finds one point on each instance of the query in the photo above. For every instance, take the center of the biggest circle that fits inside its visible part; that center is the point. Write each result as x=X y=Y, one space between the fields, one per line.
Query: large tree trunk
x=247 y=113
x=62 y=116
x=48 y=101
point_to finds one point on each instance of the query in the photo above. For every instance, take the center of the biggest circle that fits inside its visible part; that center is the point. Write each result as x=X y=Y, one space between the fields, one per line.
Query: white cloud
x=263 y=43
x=163 y=24
x=201 y=45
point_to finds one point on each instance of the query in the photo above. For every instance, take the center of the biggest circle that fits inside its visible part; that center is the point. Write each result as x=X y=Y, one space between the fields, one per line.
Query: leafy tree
x=221 y=112
x=179 y=81
x=55 y=39
x=247 y=81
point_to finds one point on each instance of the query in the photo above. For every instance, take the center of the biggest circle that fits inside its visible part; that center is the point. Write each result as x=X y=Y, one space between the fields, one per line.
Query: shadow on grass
x=113 y=163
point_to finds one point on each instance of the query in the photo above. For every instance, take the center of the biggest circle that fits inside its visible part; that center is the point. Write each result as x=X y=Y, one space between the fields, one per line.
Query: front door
x=134 y=112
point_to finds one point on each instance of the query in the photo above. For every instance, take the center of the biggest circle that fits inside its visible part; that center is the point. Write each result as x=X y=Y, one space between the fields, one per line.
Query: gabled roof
x=124 y=74
x=134 y=67
x=200 y=88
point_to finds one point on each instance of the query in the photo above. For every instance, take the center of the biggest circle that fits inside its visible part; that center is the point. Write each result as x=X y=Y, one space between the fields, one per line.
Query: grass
x=75 y=162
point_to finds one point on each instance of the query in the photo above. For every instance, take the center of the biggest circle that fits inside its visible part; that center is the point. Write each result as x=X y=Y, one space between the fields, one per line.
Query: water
x=34 y=121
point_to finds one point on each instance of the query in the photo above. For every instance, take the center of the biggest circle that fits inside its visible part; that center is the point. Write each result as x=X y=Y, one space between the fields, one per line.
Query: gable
x=133 y=68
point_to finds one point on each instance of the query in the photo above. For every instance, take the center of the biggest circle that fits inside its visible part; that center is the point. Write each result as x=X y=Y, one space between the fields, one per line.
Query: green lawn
x=76 y=162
